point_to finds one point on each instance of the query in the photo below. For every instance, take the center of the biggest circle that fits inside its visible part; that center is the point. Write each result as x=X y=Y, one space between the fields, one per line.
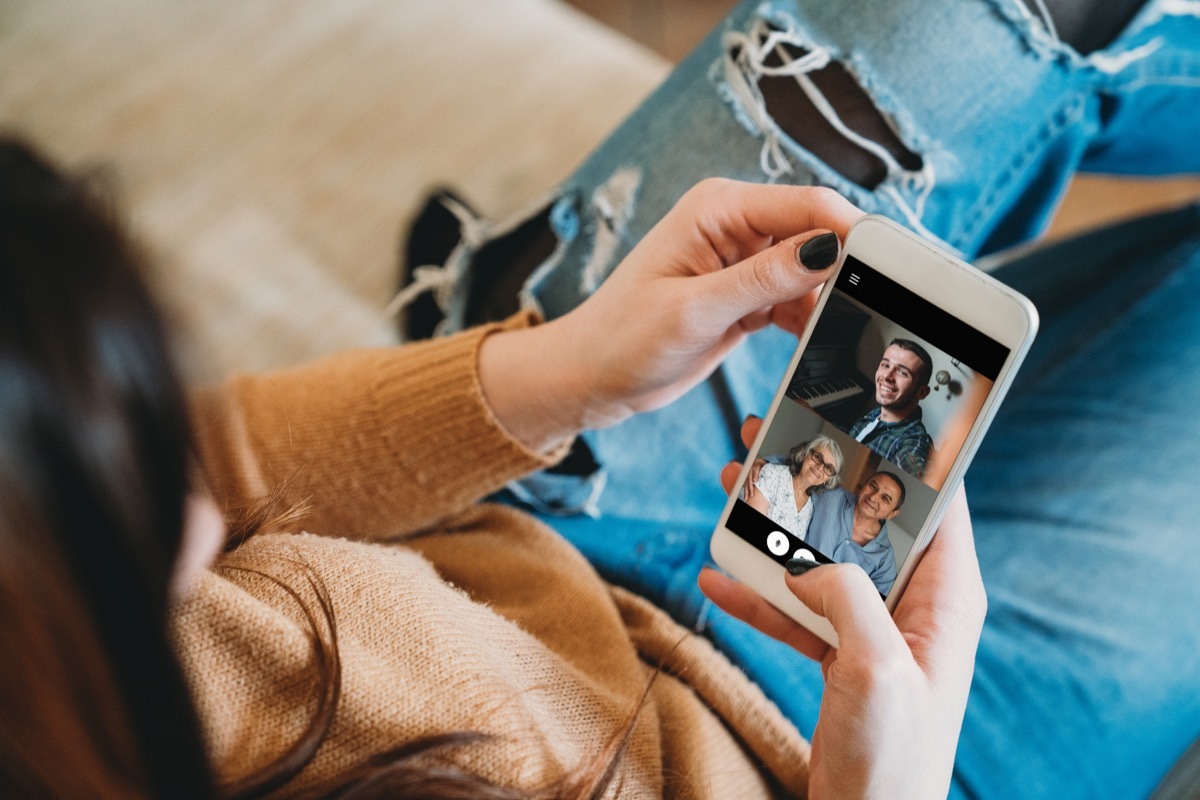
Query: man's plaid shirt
x=905 y=443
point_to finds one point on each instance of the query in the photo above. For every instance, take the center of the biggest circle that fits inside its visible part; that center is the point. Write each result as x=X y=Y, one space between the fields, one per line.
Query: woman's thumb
x=785 y=271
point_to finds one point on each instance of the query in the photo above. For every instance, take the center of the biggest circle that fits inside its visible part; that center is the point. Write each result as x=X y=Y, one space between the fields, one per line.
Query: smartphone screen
x=874 y=415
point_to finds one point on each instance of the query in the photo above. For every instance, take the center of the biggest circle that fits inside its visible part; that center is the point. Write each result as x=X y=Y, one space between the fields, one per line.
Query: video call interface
x=873 y=417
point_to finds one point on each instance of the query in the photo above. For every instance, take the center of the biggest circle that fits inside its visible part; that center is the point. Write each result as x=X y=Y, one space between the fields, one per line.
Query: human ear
x=203 y=536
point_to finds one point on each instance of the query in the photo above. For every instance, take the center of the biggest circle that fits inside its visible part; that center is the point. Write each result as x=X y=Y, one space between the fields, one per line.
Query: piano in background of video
x=827 y=379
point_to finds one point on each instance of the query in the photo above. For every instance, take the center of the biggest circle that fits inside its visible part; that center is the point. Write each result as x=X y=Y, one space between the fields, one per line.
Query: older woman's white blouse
x=775 y=483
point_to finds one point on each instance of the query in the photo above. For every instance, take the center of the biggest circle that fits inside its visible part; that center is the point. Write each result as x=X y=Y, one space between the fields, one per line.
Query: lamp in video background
x=943 y=378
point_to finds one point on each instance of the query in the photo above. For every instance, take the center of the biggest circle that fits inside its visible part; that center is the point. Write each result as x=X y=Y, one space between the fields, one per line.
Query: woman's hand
x=752 y=478
x=896 y=690
x=727 y=260
x=750 y=493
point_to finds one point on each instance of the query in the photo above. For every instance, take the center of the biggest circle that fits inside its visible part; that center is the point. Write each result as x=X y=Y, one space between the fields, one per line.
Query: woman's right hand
x=750 y=490
x=896 y=689
x=728 y=259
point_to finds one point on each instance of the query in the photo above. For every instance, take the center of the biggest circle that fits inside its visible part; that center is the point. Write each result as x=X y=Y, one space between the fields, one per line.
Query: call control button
x=777 y=543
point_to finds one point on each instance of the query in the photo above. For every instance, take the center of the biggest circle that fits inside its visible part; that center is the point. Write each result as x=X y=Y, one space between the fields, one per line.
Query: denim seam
x=1179 y=71
x=1033 y=32
x=1068 y=113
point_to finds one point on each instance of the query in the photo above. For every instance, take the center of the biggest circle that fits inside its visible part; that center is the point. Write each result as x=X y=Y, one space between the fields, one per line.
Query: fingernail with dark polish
x=799 y=566
x=819 y=252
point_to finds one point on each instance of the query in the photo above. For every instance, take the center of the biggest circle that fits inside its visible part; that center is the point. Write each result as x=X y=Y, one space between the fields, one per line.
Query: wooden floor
x=673 y=27
x=670 y=28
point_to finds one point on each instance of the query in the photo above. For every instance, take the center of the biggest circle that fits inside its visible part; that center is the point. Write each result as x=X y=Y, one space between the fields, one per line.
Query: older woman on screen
x=783 y=491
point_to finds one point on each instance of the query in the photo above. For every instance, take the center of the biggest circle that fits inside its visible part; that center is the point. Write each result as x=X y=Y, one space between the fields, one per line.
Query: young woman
x=368 y=628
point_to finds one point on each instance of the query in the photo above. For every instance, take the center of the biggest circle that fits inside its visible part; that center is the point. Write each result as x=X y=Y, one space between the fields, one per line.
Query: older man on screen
x=853 y=528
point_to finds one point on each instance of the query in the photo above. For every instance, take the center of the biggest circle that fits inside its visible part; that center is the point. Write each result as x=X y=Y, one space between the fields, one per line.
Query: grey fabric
x=1183 y=781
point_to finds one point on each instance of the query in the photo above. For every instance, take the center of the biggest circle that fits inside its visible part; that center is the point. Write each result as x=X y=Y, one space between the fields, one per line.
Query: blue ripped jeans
x=1087 y=677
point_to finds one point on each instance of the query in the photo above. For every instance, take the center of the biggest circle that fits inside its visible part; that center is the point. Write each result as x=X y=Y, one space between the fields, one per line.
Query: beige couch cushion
x=270 y=150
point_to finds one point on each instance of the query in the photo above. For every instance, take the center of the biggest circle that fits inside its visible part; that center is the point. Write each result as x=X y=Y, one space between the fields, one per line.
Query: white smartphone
x=898 y=374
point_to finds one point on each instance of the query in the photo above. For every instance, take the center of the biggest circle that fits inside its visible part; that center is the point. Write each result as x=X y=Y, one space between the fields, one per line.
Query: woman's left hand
x=727 y=260
x=896 y=691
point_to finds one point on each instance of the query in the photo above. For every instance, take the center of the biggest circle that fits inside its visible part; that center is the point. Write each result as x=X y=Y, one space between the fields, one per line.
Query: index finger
x=750 y=428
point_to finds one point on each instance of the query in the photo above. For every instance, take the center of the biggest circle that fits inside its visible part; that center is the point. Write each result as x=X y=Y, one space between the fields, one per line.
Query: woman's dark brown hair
x=94 y=445
x=93 y=454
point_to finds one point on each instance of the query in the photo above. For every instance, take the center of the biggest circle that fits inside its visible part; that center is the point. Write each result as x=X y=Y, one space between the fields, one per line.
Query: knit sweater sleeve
x=378 y=443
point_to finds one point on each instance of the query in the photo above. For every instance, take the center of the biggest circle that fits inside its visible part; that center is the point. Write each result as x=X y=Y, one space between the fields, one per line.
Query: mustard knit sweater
x=451 y=615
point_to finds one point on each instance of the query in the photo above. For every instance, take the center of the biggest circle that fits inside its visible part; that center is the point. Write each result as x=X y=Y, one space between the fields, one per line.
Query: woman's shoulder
x=407 y=620
x=776 y=471
x=449 y=608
